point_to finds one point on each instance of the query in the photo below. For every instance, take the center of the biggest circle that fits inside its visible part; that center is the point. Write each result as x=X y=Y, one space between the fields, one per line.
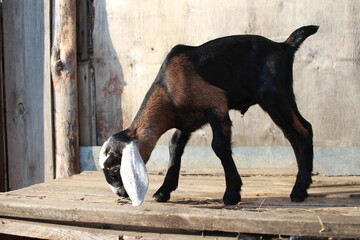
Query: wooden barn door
x=27 y=85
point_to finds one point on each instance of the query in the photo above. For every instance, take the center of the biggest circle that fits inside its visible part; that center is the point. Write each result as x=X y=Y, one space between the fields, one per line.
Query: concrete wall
x=131 y=39
x=269 y=160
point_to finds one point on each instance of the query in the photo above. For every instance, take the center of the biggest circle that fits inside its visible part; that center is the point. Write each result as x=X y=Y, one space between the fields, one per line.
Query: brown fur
x=145 y=128
x=189 y=90
x=185 y=90
x=299 y=127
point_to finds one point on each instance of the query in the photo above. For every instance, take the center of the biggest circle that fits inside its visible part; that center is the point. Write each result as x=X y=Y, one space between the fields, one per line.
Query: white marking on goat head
x=102 y=155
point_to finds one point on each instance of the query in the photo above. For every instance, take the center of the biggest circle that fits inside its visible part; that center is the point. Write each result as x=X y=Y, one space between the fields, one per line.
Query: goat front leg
x=221 y=144
x=176 y=149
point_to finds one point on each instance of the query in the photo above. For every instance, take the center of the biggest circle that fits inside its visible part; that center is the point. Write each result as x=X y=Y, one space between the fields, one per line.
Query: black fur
x=112 y=164
x=251 y=70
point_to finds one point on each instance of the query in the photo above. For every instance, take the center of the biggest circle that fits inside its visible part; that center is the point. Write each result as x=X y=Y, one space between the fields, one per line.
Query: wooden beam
x=2 y=109
x=64 y=74
x=49 y=166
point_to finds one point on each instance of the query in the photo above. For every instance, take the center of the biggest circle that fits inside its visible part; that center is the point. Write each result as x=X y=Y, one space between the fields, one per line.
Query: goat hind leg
x=176 y=149
x=303 y=141
x=299 y=132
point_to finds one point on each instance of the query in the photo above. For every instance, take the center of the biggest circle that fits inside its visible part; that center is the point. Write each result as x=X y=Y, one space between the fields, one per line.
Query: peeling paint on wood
x=113 y=86
x=109 y=77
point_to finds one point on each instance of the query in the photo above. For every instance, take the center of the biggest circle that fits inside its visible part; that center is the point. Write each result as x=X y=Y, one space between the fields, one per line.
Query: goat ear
x=133 y=173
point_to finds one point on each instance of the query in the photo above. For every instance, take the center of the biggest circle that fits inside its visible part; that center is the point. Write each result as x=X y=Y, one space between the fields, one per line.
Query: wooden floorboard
x=332 y=210
x=66 y=232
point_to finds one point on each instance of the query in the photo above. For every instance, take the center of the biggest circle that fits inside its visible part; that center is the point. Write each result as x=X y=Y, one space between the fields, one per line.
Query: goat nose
x=122 y=192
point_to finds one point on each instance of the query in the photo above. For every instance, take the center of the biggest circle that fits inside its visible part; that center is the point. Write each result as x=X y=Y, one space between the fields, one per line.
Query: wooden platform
x=83 y=207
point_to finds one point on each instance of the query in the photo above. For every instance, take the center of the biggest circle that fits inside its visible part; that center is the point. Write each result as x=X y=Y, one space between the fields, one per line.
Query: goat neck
x=154 y=118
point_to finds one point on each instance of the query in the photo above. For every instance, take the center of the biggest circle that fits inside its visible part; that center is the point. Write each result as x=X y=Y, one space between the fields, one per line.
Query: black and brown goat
x=199 y=85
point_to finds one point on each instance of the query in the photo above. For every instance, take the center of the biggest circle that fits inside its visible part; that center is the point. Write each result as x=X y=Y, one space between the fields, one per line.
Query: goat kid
x=199 y=85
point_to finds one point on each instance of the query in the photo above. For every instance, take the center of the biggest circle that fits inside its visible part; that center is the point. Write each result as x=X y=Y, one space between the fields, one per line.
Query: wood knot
x=21 y=108
x=59 y=66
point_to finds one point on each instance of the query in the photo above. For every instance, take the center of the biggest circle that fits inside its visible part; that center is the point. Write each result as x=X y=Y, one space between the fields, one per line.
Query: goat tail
x=299 y=36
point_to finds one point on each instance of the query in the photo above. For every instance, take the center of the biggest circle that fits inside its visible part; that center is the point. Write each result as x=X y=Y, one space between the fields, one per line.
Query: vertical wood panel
x=2 y=123
x=86 y=105
x=24 y=88
x=109 y=76
x=82 y=33
x=132 y=37
x=49 y=169
x=87 y=123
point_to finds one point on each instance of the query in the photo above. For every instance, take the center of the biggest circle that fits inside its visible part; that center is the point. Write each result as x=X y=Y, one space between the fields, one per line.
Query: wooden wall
x=131 y=39
x=27 y=91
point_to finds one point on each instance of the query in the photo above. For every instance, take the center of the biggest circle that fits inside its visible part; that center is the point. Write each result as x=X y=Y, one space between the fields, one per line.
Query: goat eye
x=114 y=172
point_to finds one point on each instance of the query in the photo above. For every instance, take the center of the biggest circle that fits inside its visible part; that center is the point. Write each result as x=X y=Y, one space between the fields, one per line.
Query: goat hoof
x=297 y=199
x=231 y=199
x=297 y=196
x=161 y=197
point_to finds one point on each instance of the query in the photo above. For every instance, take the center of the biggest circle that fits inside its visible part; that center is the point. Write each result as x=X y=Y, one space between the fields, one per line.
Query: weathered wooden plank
x=197 y=219
x=2 y=109
x=110 y=80
x=329 y=197
x=50 y=231
x=61 y=232
x=325 y=192
x=64 y=74
x=331 y=210
x=24 y=86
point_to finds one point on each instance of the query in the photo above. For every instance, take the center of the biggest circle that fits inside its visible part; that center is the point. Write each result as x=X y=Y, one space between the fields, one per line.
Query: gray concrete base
x=327 y=161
